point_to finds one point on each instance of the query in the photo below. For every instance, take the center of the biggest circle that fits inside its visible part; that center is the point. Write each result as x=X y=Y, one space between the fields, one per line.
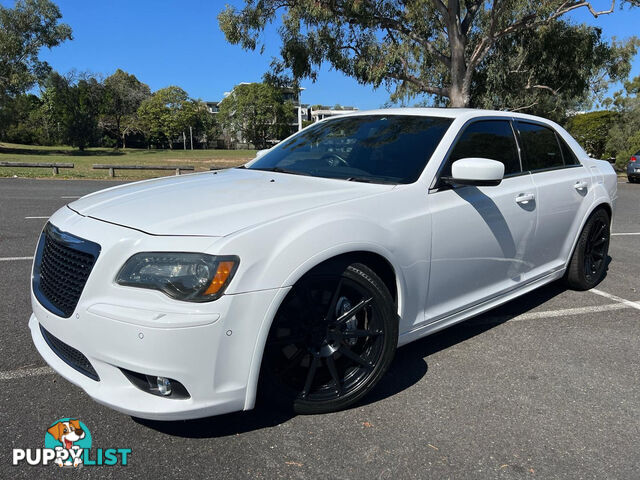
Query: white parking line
x=615 y=298
x=632 y=233
x=32 y=218
x=569 y=311
x=25 y=372
x=565 y=312
x=11 y=259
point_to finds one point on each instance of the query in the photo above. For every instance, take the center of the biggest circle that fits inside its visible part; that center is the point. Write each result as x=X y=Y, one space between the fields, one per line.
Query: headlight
x=192 y=277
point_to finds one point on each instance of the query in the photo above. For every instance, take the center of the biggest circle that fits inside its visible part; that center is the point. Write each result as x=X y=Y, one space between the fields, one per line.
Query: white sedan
x=298 y=274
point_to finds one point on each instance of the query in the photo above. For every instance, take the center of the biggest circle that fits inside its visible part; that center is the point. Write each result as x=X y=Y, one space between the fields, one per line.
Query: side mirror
x=481 y=172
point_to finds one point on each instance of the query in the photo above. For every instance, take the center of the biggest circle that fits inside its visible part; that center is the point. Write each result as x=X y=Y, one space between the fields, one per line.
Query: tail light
x=633 y=159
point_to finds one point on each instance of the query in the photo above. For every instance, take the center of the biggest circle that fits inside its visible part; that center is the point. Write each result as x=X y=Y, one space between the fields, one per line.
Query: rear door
x=481 y=236
x=562 y=185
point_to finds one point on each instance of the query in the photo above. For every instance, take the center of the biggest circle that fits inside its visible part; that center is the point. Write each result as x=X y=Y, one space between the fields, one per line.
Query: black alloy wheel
x=332 y=339
x=588 y=264
x=596 y=248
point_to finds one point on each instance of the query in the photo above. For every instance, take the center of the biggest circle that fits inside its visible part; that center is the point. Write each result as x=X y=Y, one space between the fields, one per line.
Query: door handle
x=525 y=198
x=581 y=185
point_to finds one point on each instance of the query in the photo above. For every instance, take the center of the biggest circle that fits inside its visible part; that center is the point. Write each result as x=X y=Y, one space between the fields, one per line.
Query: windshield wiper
x=281 y=170
x=370 y=180
x=359 y=179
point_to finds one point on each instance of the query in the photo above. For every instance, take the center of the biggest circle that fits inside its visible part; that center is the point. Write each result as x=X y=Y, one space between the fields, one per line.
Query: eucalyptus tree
x=412 y=46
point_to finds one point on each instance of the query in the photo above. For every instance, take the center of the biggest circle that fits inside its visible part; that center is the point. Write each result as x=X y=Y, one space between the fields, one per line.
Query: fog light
x=164 y=385
x=169 y=388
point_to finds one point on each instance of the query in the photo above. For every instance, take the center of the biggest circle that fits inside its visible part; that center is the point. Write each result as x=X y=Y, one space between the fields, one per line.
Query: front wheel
x=331 y=341
x=589 y=261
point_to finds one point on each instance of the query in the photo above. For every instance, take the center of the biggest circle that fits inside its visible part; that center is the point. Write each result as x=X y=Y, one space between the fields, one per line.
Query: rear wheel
x=331 y=341
x=589 y=262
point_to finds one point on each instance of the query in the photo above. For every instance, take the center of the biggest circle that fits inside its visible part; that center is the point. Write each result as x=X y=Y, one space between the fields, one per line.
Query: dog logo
x=69 y=437
x=67 y=443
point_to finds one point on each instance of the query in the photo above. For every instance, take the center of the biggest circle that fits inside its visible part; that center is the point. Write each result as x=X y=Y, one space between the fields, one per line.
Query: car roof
x=465 y=113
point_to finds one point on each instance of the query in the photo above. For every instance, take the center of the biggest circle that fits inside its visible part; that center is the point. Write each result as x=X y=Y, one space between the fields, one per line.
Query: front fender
x=279 y=254
x=279 y=260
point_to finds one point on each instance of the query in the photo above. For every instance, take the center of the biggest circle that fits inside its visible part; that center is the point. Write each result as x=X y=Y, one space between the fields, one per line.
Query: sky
x=170 y=42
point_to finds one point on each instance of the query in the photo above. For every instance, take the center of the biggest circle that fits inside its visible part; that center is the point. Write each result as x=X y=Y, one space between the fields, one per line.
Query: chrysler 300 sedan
x=297 y=275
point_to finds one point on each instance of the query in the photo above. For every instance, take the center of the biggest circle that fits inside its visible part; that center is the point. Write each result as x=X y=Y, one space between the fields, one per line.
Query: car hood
x=216 y=203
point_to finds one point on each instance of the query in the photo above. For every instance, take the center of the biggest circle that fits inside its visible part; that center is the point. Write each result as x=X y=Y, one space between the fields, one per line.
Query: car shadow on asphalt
x=408 y=368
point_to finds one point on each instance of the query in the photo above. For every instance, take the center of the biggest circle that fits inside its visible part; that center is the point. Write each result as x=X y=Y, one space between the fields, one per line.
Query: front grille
x=61 y=269
x=70 y=355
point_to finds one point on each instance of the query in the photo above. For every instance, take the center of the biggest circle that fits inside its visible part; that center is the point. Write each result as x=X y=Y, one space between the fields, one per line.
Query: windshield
x=371 y=148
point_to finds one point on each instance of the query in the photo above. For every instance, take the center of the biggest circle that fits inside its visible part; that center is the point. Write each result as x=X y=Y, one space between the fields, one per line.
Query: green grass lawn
x=202 y=160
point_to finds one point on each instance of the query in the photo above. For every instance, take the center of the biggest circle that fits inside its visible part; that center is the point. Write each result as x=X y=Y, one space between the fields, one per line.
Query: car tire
x=588 y=264
x=317 y=358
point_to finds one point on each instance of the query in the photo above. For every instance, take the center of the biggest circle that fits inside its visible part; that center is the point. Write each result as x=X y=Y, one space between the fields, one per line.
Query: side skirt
x=457 y=317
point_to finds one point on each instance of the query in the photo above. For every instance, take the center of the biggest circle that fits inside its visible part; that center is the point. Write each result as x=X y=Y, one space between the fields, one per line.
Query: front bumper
x=212 y=361
x=213 y=349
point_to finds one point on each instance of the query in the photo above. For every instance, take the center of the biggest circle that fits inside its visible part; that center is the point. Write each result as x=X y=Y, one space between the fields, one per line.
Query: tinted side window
x=491 y=139
x=540 y=145
x=568 y=155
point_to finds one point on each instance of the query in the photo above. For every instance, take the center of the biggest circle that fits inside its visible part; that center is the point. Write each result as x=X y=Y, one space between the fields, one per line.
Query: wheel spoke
x=599 y=242
x=347 y=352
x=331 y=312
x=598 y=232
x=352 y=311
x=331 y=364
x=360 y=333
x=310 y=376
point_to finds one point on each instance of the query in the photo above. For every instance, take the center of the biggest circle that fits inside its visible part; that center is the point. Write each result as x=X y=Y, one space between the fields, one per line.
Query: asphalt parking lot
x=546 y=386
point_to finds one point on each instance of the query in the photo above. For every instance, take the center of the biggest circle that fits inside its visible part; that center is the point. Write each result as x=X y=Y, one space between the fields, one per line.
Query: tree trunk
x=118 y=129
x=124 y=140
x=459 y=90
x=458 y=96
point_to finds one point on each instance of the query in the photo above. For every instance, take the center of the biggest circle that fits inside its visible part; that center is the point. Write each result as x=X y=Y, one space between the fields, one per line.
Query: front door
x=481 y=236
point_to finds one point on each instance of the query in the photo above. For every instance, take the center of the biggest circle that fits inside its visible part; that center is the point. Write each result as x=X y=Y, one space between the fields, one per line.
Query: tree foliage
x=624 y=135
x=20 y=119
x=168 y=114
x=123 y=95
x=73 y=106
x=557 y=68
x=412 y=46
x=591 y=130
x=256 y=112
x=24 y=31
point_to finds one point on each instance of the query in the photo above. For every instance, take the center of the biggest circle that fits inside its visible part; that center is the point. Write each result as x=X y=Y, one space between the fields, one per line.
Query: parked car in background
x=301 y=272
x=633 y=168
